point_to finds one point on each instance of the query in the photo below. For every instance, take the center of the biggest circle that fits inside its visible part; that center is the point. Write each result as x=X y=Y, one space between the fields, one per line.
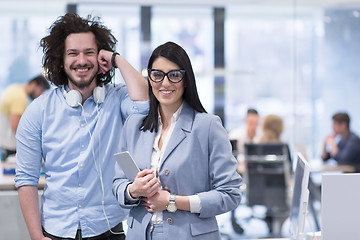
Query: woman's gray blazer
x=197 y=160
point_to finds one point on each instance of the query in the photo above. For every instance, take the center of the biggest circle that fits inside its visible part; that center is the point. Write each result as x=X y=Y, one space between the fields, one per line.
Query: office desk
x=7 y=180
x=340 y=168
x=12 y=224
x=323 y=167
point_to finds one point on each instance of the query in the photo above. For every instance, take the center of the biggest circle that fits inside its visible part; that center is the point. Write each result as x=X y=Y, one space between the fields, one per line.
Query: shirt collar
x=175 y=116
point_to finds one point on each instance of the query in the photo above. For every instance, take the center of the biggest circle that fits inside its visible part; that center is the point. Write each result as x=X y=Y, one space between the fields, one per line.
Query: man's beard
x=82 y=84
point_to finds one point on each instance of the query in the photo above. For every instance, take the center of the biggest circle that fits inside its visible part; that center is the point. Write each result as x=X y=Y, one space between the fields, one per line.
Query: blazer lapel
x=148 y=143
x=181 y=130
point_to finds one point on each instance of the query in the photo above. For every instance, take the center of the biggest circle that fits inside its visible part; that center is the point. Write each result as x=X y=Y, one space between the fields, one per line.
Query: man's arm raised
x=135 y=82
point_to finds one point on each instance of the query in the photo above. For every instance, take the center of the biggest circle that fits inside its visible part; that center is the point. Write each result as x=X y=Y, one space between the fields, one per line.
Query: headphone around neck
x=73 y=97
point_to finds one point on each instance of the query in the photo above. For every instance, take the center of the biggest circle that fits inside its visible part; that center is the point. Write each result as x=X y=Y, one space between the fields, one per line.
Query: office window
x=260 y=64
x=124 y=22
x=23 y=26
x=338 y=55
x=300 y=66
x=192 y=28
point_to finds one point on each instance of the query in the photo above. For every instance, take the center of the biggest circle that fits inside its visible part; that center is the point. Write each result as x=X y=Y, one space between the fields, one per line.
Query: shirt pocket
x=204 y=226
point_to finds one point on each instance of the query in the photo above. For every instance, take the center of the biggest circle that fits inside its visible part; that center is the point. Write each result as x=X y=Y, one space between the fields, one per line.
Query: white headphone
x=74 y=99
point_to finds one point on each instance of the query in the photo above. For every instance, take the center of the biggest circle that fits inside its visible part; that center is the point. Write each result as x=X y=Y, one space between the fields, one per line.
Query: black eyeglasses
x=174 y=76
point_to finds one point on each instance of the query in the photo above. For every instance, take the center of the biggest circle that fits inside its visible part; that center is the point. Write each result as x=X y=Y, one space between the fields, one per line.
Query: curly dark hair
x=54 y=45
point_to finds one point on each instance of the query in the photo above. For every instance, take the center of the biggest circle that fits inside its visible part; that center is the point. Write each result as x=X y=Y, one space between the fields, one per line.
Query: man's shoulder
x=43 y=100
x=115 y=88
x=354 y=137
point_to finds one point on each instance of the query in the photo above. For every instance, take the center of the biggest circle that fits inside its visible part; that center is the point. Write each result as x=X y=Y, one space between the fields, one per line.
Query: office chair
x=267 y=176
x=236 y=227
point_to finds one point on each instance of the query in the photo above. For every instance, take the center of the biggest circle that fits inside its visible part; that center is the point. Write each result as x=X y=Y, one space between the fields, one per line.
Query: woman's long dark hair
x=177 y=55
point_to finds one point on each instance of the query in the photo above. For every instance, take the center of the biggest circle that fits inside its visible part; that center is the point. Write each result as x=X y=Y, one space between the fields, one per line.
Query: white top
x=156 y=158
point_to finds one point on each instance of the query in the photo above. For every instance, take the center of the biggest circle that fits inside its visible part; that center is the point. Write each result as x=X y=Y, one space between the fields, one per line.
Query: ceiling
x=204 y=2
x=22 y=7
x=231 y=2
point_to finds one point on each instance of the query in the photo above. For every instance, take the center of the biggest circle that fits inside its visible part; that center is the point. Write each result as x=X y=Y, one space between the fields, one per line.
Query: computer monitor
x=300 y=198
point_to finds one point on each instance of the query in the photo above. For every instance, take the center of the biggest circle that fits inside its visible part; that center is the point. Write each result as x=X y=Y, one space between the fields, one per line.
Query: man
x=343 y=145
x=247 y=133
x=244 y=134
x=12 y=105
x=75 y=129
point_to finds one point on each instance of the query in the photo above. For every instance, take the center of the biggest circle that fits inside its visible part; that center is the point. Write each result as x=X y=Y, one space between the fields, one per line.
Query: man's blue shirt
x=77 y=147
x=349 y=150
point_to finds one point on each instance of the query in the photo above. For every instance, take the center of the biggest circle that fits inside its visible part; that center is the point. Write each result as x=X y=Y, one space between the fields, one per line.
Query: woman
x=189 y=173
x=272 y=128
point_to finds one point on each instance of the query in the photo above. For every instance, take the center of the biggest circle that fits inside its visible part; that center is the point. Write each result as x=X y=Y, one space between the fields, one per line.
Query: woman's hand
x=158 y=202
x=104 y=60
x=144 y=185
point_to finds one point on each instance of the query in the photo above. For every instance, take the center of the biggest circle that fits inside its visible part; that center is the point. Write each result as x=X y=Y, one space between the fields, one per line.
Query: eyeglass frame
x=166 y=74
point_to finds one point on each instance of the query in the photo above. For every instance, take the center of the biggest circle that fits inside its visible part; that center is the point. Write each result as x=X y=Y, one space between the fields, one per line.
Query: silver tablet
x=127 y=164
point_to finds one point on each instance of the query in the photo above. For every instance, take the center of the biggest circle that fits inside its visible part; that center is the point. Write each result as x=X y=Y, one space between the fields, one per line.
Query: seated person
x=13 y=103
x=272 y=128
x=247 y=133
x=274 y=185
x=343 y=145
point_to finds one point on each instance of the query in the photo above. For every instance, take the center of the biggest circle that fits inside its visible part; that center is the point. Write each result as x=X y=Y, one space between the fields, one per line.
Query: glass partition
x=23 y=26
x=192 y=28
x=124 y=22
x=296 y=61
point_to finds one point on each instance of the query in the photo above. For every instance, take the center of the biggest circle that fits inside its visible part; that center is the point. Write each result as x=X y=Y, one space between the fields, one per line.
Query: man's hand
x=104 y=60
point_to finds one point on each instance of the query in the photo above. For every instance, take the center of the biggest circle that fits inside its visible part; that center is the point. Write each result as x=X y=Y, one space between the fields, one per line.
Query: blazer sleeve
x=120 y=181
x=224 y=194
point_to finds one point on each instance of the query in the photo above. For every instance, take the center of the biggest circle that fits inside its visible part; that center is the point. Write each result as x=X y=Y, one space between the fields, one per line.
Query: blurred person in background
x=342 y=145
x=272 y=128
x=248 y=132
x=13 y=103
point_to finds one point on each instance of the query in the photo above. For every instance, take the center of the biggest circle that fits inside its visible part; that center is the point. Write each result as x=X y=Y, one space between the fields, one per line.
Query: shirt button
x=166 y=171
x=79 y=184
x=169 y=221
x=82 y=146
x=81 y=164
x=79 y=205
x=82 y=125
